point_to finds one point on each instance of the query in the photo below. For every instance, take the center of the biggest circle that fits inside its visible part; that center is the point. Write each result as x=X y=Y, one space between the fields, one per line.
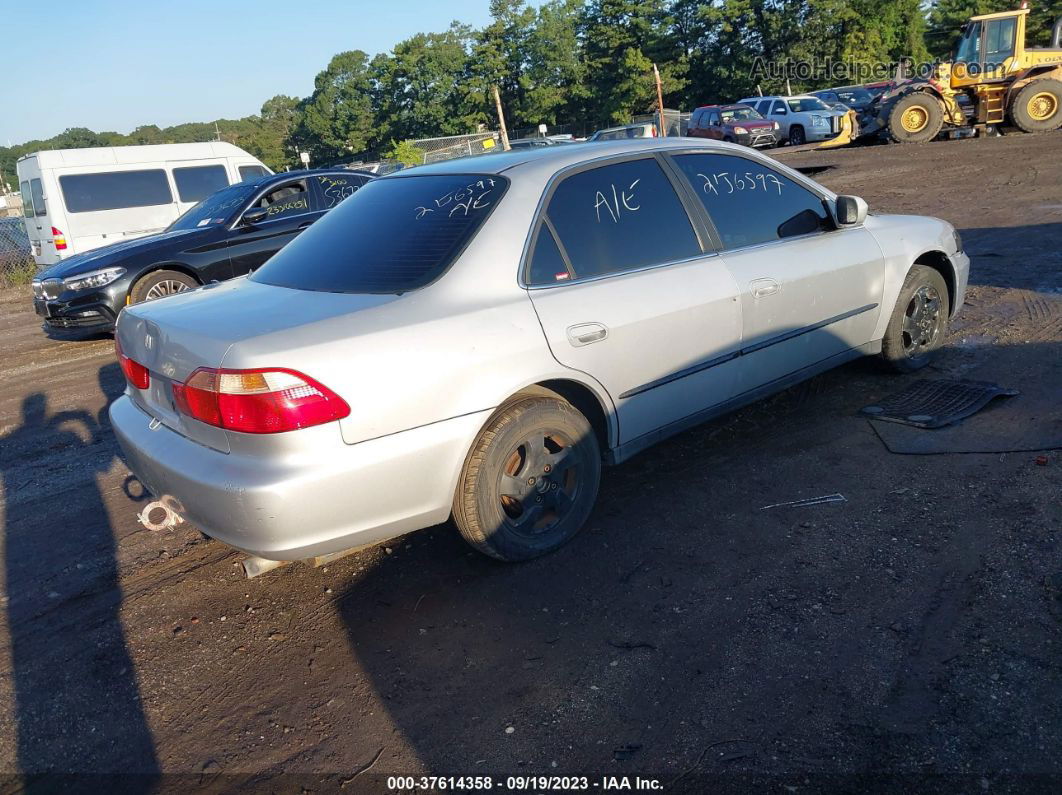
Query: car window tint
x=286 y=200
x=37 y=190
x=779 y=107
x=336 y=187
x=750 y=203
x=392 y=235
x=251 y=172
x=621 y=216
x=27 y=200
x=547 y=264
x=115 y=190
x=195 y=183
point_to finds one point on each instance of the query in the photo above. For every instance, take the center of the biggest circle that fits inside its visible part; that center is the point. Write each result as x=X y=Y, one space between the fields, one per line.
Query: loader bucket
x=849 y=132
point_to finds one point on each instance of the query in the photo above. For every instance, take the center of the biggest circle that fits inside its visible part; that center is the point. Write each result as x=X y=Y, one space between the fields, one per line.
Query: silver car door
x=626 y=293
x=809 y=290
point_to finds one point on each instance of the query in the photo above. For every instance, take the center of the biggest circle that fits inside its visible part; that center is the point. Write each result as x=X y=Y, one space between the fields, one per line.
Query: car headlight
x=740 y=130
x=776 y=126
x=818 y=121
x=86 y=281
x=38 y=288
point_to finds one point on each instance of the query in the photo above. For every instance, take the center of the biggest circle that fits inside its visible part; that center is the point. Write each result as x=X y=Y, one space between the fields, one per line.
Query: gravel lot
x=911 y=633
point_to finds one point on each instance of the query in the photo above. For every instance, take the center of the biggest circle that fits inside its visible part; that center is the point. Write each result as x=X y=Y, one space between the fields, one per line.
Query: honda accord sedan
x=475 y=339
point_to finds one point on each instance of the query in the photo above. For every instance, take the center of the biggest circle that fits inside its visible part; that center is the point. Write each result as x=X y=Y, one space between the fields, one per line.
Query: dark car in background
x=228 y=234
x=855 y=97
x=735 y=123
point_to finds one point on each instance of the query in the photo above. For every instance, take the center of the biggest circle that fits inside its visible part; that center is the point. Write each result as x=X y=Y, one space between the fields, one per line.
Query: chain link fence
x=449 y=147
x=16 y=262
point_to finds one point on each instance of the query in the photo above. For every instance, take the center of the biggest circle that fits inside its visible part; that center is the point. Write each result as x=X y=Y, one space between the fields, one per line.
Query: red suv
x=737 y=123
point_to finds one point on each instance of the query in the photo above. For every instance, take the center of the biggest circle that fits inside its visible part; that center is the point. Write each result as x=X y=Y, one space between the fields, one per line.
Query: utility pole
x=788 y=90
x=217 y=132
x=660 y=102
x=501 y=119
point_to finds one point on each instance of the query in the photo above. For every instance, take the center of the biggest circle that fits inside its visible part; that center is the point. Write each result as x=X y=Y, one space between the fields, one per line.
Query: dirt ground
x=910 y=634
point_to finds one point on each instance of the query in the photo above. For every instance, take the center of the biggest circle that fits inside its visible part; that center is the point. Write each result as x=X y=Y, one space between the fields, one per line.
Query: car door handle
x=761 y=288
x=586 y=333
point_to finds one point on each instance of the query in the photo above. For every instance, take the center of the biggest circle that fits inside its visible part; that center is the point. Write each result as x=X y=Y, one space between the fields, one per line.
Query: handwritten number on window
x=721 y=184
x=464 y=200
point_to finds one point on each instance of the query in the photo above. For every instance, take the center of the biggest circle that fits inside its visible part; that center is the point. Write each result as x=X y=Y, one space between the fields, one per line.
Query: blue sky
x=117 y=64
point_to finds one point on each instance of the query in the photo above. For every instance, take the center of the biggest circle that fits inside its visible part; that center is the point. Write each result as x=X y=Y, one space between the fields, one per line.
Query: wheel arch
x=941 y=263
x=163 y=266
x=1043 y=70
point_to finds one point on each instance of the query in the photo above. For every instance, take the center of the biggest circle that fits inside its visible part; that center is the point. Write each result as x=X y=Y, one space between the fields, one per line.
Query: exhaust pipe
x=159 y=515
x=1056 y=34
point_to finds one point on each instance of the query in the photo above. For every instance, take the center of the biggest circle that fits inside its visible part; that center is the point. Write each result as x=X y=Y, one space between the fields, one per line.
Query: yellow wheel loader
x=993 y=74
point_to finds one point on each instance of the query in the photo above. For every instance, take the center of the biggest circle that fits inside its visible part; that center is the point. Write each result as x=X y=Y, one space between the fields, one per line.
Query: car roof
x=728 y=106
x=280 y=176
x=547 y=160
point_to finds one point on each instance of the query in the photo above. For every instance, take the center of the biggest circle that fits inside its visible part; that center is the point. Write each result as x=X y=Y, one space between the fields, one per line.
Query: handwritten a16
x=724 y=183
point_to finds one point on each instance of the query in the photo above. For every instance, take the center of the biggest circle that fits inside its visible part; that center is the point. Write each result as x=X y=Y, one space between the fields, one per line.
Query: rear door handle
x=761 y=288
x=586 y=333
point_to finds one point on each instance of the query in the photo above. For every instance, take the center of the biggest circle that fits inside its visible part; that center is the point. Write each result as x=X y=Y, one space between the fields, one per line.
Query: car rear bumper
x=291 y=507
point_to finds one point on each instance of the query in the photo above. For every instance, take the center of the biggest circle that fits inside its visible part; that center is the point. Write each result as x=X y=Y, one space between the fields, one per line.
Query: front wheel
x=919 y=321
x=530 y=480
x=916 y=118
x=159 y=284
x=796 y=135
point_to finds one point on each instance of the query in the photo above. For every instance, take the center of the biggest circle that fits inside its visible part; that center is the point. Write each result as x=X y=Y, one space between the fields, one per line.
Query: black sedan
x=228 y=234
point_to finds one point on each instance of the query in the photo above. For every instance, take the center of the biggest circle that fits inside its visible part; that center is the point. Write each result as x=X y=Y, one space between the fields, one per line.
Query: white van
x=74 y=200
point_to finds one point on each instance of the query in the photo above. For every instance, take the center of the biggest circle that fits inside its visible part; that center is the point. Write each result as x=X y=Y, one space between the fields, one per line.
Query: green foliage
x=583 y=61
x=405 y=152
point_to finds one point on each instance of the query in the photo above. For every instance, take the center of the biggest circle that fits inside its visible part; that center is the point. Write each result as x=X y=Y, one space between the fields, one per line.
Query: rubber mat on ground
x=937 y=403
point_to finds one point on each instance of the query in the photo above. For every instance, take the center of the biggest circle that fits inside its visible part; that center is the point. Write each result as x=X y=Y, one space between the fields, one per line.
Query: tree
x=337 y=118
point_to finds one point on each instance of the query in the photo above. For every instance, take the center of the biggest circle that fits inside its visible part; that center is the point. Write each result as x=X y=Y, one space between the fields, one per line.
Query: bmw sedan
x=229 y=233
x=475 y=339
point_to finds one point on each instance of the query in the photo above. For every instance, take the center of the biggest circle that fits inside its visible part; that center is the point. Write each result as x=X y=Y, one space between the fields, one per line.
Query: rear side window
x=27 y=200
x=251 y=172
x=392 y=235
x=547 y=263
x=195 y=183
x=336 y=187
x=750 y=203
x=39 y=207
x=619 y=217
x=115 y=190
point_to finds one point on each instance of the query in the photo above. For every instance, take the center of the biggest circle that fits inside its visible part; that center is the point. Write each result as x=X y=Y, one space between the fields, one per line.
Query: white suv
x=801 y=118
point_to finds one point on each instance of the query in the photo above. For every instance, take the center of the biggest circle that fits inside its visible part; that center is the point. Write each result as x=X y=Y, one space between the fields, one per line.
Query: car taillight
x=257 y=401
x=135 y=373
x=59 y=239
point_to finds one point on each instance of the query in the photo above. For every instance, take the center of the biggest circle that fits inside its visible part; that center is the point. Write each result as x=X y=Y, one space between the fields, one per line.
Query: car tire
x=1037 y=107
x=530 y=480
x=797 y=136
x=919 y=321
x=916 y=118
x=159 y=284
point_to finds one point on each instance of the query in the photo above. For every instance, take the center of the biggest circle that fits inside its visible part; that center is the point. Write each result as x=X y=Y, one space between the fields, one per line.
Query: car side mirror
x=850 y=211
x=254 y=216
x=782 y=112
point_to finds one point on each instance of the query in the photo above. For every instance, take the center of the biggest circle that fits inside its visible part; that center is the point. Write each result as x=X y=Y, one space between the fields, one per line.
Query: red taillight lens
x=257 y=401
x=135 y=373
x=59 y=239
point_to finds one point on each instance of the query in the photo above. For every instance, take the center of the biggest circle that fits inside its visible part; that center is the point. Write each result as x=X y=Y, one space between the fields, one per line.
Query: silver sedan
x=475 y=339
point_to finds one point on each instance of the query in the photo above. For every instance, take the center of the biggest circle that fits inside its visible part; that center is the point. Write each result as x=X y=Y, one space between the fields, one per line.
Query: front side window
x=750 y=203
x=391 y=236
x=779 y=107
x=807 y=105
x=970 y=46
x=713 y=120
x=115 y=190
x=27 y=200
x=619 y=217
x=287 y=200
x=195 y=183
x=250 y=173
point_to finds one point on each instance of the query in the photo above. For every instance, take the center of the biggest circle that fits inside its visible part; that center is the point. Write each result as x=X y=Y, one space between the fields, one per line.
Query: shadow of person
x=76 y=701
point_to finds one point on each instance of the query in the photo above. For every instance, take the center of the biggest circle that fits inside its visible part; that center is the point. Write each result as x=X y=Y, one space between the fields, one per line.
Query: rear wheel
x=159 y=284
x=530 y=481
x=916 y=118
x=1037 y=107
x=919 y=321
x=796 y=135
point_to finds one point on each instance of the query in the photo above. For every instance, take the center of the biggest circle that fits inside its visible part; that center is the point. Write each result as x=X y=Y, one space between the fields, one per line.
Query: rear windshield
x=215 y=209
x=392 y=235
x=27 y=200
